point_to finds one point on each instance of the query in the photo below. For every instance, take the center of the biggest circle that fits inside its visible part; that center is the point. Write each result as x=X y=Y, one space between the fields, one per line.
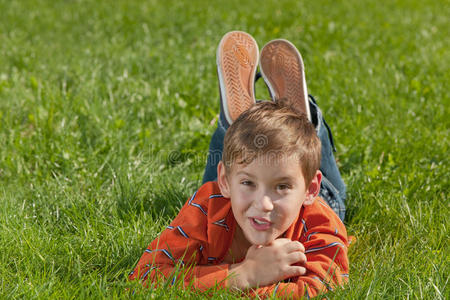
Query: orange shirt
x=201 y=234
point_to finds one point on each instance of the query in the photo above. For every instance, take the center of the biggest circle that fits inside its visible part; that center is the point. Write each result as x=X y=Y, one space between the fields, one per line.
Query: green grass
x=107 y=108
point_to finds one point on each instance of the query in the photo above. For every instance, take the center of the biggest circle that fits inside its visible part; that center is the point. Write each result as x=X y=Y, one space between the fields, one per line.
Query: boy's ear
x=222 y=180
x=313 y=189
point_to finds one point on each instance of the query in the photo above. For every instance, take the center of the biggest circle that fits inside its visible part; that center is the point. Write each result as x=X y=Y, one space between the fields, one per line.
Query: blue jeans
x=332 y=188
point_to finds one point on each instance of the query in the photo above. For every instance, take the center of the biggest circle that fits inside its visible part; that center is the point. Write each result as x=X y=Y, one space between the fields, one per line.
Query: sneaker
x=237 y=60
x=282 y=69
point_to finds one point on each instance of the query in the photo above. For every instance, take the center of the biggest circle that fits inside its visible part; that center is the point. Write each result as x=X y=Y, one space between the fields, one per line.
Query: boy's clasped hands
x=264 y=265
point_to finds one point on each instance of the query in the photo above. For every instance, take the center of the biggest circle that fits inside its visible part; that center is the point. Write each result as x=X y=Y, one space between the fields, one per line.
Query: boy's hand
x=269 y=264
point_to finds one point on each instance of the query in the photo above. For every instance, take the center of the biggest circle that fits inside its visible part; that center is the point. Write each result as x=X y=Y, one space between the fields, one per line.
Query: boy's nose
x=266 y=203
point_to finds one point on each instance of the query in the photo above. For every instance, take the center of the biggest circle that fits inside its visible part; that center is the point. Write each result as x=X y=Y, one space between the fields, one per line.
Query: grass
x=107 y=107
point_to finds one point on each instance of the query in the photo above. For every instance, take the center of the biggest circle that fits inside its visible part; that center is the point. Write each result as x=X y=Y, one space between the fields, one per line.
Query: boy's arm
x=325 y=242
x=178 y=253
x=168 y=258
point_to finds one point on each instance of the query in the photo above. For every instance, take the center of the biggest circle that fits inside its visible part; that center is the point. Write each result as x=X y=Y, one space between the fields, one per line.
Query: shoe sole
x=282 y=69
x=237 y=60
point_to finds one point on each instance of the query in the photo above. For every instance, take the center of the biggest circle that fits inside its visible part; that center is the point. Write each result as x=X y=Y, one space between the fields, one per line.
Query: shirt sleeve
x=177 y=254
x=325 y=240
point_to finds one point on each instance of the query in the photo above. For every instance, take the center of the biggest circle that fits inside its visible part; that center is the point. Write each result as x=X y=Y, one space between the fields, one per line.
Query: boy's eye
x=283 y=186
x=247 y=182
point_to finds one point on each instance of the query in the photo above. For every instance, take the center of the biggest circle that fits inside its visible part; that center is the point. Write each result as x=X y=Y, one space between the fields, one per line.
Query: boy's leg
x=237 y=60
x=282 y=69
x=332 y=188
x=214 y=153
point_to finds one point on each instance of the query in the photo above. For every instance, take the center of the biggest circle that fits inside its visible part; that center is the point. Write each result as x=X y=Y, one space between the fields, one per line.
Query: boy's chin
x=261 y=238
x=263 y=241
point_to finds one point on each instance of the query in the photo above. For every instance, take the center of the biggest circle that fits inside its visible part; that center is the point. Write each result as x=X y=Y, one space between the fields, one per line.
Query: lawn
x=107 y=108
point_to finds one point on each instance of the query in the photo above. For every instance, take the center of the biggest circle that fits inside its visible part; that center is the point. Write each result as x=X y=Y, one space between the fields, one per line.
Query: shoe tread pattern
x=238 y=62
x=283 y=68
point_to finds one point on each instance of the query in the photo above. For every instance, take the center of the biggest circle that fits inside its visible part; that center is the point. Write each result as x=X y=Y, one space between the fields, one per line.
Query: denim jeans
x=332 y=188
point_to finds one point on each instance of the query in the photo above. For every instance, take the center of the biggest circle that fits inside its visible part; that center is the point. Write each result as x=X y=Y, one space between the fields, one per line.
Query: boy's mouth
x=260 y=224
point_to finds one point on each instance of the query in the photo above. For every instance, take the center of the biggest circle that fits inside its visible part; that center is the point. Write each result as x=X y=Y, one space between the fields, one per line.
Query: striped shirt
x=201 y=235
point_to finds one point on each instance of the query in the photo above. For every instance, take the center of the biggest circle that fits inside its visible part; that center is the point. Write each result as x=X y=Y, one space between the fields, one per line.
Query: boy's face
x=267 y=195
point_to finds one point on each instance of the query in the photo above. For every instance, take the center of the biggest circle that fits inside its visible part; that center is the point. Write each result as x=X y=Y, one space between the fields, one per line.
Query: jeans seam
x=331 y=185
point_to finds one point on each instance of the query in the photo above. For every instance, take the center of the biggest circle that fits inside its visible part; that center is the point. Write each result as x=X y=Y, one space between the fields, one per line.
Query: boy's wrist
x=238 y=277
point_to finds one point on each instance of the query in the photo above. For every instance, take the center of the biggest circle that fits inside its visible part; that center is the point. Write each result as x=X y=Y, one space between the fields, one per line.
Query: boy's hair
x=272 y=130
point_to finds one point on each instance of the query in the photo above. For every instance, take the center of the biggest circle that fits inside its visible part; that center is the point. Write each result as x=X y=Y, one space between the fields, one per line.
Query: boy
x=260 y=227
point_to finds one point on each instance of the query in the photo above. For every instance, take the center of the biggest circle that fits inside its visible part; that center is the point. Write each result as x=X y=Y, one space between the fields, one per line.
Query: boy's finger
x=296 y=257
x=293 y=271
x=281 y=241
x=295 y=246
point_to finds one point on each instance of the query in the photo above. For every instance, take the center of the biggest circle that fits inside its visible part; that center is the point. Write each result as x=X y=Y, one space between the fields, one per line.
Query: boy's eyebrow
x=284 y=178
x=244 y=173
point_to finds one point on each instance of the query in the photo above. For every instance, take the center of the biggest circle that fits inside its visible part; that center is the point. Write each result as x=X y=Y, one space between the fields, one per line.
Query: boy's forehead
x=285 y=165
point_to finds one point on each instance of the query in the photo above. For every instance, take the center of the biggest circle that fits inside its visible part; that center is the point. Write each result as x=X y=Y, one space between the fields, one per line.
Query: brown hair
x=273 y=130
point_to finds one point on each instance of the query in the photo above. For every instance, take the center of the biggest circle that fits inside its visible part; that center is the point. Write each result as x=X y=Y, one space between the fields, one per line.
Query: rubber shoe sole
x=237 y=60
x=281 y=67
